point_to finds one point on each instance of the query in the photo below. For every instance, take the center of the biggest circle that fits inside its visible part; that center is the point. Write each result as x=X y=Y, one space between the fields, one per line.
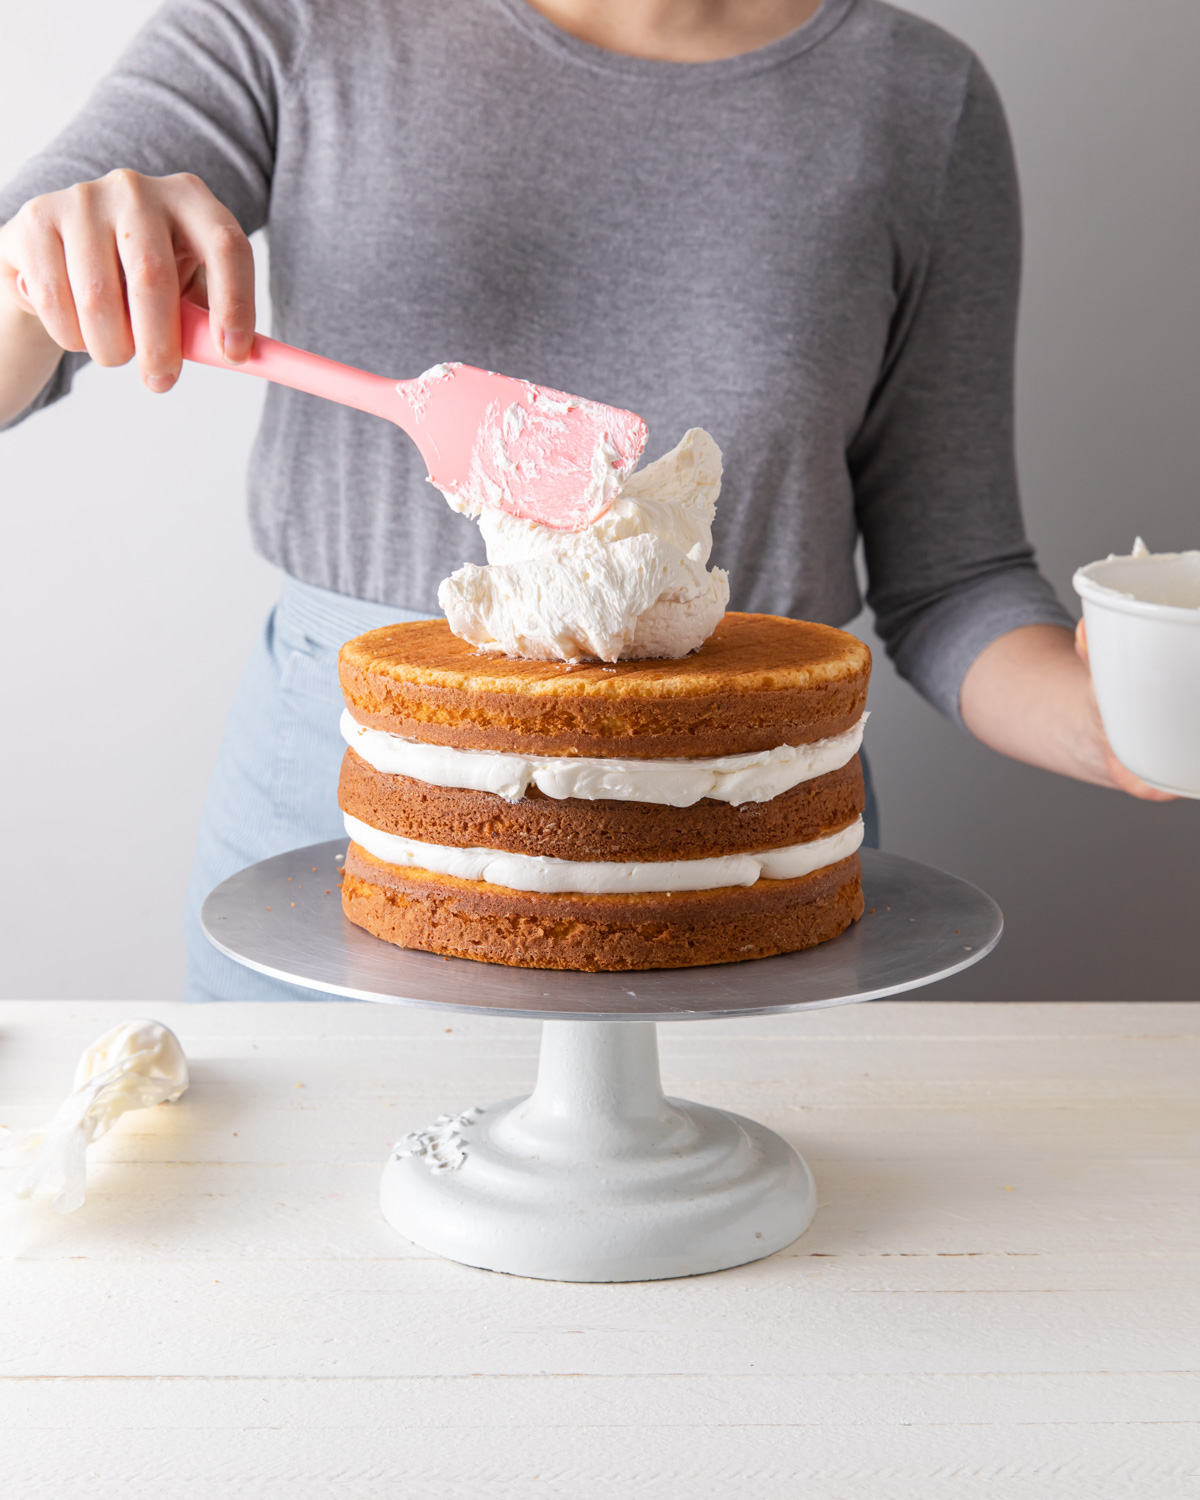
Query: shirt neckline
x=652 y=69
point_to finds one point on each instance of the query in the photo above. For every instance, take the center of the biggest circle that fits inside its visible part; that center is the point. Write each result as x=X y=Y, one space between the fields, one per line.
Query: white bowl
x=1143 y=630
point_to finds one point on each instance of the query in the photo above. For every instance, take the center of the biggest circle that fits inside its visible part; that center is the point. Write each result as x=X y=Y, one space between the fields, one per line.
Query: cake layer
x=756 y=777
x=578 y=829
x=758 y=682
x=468 y=919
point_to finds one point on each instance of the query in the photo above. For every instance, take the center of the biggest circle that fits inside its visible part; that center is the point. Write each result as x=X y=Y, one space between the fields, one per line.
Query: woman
x=795 y=225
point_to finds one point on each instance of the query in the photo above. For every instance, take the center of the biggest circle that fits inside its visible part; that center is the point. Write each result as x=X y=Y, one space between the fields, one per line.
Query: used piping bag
x=130 y=1067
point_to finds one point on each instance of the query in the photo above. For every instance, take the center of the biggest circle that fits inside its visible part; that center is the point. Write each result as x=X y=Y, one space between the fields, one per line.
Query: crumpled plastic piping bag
x=130 y=1067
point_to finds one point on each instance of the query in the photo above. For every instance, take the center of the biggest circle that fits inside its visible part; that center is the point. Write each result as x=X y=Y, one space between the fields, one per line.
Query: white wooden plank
x=530 y=1462
x=884 y=1205
x=456 y=1403
x=882 y=1018
x=215 y=1127
x=431 y=1317
x=1001 y=1078
x=919 y=1072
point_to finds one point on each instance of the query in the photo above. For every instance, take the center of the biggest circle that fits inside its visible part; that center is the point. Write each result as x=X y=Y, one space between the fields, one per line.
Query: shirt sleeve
x=933 y=465
x=197 y=91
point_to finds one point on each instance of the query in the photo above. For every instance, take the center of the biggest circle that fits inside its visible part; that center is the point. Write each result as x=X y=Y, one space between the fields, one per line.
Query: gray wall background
x=129 y=595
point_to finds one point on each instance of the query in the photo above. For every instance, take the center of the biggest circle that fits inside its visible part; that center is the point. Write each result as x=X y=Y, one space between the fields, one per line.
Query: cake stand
x=596 y=1175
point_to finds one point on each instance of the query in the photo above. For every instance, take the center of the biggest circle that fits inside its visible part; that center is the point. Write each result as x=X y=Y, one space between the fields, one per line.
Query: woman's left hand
x=1122 y=777
x=1030 y=695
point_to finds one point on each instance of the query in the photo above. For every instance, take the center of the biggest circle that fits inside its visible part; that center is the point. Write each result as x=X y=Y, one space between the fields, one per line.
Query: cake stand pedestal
x=596 y=1175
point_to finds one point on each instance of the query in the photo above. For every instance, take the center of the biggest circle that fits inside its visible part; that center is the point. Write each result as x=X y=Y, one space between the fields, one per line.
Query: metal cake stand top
x=284 y=918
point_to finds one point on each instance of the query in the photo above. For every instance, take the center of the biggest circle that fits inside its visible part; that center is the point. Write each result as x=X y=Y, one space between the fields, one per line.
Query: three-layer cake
x=656 y=813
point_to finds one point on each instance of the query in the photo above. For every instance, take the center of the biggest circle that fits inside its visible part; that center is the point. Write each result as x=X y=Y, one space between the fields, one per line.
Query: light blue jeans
x=274 y=786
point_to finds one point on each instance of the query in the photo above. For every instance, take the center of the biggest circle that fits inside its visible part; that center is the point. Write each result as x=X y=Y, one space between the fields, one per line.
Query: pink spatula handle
x=296 y=368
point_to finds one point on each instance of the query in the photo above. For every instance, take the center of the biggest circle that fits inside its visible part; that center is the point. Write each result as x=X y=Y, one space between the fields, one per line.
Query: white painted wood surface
x=1000 y=1295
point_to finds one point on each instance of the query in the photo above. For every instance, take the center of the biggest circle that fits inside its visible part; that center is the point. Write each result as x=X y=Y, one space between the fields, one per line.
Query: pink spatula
x=487 y=440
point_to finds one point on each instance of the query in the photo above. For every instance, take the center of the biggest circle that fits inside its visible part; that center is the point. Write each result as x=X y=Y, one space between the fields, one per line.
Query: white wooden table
x=1000 y=1296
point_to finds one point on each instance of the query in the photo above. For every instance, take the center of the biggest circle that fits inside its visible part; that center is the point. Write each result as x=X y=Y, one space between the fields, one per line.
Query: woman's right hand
x=102 y=266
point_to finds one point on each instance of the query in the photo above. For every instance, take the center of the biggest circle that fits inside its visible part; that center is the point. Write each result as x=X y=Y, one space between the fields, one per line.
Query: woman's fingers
x=95 y=275
x=1125 y=780
x=1121 y=776
x=102 y=264
x=39 y=264
x=224 y=250
x=147 y=255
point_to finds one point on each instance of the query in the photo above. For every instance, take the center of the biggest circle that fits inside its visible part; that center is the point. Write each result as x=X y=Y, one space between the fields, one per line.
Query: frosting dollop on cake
x=633 y=584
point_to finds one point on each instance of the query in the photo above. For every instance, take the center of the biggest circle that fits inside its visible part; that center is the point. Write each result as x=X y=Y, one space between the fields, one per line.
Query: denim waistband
x=327 y=619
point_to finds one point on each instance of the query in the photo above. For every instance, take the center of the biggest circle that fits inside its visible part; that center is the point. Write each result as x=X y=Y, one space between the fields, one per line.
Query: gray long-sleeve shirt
x=811 y=250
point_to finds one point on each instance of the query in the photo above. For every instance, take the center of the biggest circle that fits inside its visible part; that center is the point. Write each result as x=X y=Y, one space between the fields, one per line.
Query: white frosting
x=756 y=777
x=632 y=584
x=418 y=390
x=528 y=872
x=1143 y=580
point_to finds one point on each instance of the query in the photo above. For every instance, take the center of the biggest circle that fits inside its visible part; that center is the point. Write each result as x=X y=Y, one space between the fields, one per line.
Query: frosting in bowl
x=1143 y=581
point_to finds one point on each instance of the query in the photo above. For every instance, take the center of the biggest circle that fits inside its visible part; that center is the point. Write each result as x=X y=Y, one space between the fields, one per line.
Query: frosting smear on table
x=633 y=584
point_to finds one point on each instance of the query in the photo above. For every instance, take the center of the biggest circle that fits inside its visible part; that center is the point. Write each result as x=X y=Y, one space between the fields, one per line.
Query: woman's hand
x=1030 y=695
x=101 y=267
x=1122 y=778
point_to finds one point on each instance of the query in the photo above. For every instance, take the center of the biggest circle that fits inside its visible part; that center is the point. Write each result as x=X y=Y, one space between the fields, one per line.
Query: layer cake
x=658 y=813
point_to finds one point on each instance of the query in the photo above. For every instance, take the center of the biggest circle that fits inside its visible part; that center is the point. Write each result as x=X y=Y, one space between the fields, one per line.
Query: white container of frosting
x=1143 y=629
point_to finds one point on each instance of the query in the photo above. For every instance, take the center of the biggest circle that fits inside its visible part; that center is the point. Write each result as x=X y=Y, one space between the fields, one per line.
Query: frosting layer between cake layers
x=525 y=872
x=670 y=782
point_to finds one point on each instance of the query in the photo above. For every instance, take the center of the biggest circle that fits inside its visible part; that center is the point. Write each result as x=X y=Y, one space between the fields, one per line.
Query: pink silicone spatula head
x=487 y=439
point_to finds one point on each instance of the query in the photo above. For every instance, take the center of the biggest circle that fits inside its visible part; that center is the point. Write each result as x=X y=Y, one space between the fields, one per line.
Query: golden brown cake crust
x=759 y=681
x=575 y=828
x=469 y=919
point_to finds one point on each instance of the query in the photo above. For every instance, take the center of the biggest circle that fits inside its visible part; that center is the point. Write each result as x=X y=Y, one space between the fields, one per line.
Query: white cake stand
x=596 y=1175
